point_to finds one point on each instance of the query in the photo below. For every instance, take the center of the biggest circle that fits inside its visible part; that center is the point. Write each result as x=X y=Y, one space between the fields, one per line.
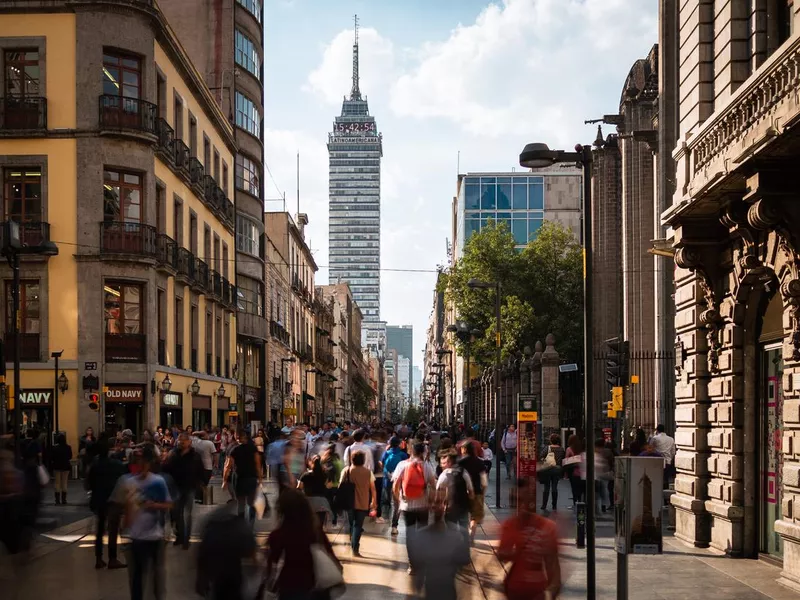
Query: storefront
x=223 y=408
x=201 y=412
x=37 y=410
x=124 y=408
x=171 y=410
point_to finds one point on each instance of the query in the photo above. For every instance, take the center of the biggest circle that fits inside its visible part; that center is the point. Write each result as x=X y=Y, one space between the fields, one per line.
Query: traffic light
x=617 y=362
x=94 y=401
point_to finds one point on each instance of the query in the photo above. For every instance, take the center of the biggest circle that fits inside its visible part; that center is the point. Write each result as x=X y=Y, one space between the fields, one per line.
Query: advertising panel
x=638 y=499
x=526 y=449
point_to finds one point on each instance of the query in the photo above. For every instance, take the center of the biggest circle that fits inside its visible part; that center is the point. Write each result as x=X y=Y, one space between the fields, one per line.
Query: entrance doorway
x=771 y=456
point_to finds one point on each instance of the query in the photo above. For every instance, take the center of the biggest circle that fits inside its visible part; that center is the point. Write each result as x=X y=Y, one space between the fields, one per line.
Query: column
x=549 y=386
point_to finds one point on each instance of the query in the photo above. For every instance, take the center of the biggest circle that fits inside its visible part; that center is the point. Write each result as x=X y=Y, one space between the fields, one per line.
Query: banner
x=526 y=450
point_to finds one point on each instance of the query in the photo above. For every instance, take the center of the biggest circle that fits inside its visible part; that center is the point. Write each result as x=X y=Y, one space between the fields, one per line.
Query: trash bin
x=73 y=469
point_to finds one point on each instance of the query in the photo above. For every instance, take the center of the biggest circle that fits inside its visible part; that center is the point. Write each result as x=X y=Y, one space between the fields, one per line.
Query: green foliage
x=541 y=290
x=413 y=415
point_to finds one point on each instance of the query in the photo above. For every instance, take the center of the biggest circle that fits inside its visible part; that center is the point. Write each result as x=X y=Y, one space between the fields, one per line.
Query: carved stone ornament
x=688 y=257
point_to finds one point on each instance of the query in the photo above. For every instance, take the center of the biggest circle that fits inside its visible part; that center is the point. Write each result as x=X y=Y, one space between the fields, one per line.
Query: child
x=488 y=457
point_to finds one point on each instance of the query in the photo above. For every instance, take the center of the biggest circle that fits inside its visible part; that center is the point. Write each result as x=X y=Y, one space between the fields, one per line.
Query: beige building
x=734 y=227
x=102 y=111
x=288 y=237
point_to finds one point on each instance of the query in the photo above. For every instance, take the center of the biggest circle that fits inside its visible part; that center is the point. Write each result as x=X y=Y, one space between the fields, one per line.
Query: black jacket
x=102 y=480
x=60 y=455
x=185 y=469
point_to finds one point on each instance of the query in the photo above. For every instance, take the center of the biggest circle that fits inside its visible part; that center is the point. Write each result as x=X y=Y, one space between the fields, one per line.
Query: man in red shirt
x=530 y=543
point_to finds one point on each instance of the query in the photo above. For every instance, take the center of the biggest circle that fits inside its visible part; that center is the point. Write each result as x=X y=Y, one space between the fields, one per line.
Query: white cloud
x=526 y=65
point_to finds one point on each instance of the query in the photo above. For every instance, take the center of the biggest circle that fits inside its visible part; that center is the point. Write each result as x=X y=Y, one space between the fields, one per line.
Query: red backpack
x=414 y=480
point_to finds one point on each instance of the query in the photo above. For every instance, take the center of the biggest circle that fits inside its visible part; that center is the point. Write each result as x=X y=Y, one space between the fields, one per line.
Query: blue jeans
x=356 y=518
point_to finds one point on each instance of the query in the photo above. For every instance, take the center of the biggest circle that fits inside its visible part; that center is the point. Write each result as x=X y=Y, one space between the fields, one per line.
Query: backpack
x=414 y=480
x=460 y=500
x=346 y=493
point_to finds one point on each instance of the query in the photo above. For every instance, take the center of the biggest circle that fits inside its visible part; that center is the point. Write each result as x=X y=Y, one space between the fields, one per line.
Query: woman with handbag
x=310 y=568
x=552 y=472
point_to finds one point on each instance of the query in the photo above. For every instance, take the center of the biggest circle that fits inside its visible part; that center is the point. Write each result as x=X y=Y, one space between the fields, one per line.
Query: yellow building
x=113 y=148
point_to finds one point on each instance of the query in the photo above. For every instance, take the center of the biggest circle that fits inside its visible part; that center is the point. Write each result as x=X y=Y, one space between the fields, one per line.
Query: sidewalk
x=680 y=572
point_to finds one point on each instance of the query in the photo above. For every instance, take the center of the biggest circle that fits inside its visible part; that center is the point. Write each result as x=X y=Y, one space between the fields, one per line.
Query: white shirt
x=369 y=462
x=447 y=482
x=430 y=476
x=488 y=454
x=206 y=449
x=665 y=446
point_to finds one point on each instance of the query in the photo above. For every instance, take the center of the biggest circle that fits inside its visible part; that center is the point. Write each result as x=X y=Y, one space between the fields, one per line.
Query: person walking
x=530 y=543
x=365 y=498
x=665 y=446
x=86 y=449
x=476 y=470
x=102 y=478
x=205 y=449
x=456 y=485
x=147 y=500
x=552 y=472
x=488 y=458
x=185 y=467
x=573 y=465
x=509 y=446
x=249 y=475
x=440 y=551
x=60 y=457
x=390 y=459
x=312 y=482
x=414 y=481
x=332 y=468
x=359 y=445
x=294 y=540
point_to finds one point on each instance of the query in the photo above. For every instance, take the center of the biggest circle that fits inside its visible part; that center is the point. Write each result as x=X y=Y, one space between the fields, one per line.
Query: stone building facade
x=735 y=222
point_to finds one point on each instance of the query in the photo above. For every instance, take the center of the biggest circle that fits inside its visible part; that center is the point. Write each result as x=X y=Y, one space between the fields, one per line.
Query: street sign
x=634 y=379
x=616 y=398
x=90 y=366
x=567 y=368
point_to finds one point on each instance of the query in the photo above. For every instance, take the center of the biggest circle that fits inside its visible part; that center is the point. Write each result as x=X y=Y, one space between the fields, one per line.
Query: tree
x=540 y=289
x=413 y=415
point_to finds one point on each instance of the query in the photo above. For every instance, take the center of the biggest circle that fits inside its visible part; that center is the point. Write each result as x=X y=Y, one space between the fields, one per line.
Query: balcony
x=182 y=155
x=132 y=239
x=196 y=171
x=202 y=280
x=29 y=350
x=162 y=352
x=33 y=233
x=23 y=113
x=186 y=264
x=126 y=348
x=210 y=190
x=166 y=252
x=166 y=140
x=179 y=356
x=277 y=331
x=128 y=114
x=216 y=284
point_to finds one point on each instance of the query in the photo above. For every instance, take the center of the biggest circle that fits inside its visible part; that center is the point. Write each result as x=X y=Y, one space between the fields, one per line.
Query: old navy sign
x=37 y=397
x=124 y=394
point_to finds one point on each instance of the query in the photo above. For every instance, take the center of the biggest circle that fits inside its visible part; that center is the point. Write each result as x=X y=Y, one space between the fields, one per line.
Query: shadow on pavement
x=370 y=591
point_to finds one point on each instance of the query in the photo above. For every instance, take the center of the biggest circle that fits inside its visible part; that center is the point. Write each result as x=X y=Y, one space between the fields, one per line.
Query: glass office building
x=355 y=149
x=523 y=201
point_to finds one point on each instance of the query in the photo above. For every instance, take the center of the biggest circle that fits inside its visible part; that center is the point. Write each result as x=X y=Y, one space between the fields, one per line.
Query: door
x=771 y=459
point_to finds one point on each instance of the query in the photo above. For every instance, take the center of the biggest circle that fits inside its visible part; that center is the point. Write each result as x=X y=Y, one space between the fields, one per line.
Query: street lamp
x=441 y=352
x=465 y=333
x=475 y=284
x=539 y=155
x=12 y=247
x=166 y=383
x=56 y=355
x=194 y=389
x=221 y=391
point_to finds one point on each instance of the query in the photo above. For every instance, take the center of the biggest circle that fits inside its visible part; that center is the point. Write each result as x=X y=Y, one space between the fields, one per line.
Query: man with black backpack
x=456 y=485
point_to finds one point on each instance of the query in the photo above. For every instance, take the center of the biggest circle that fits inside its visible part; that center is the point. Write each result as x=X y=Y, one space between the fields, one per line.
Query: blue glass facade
x=517 y=201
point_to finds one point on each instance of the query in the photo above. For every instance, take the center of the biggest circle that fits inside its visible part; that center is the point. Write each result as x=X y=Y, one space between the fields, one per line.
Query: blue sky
x=441 y=76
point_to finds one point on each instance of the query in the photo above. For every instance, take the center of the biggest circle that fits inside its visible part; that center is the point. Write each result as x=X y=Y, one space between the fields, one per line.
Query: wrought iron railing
x=121 y=237
x=23 y=112
x=120 y=112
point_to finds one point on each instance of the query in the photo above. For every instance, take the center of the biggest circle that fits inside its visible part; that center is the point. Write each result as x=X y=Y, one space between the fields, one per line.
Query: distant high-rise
x=355 y=149
x=401 y=338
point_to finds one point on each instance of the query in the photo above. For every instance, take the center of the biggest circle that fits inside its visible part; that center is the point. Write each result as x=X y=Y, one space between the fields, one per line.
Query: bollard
x=580 y=535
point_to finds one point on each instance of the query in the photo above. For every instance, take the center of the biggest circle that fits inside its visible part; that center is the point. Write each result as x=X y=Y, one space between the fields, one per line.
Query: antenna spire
x=355 y=92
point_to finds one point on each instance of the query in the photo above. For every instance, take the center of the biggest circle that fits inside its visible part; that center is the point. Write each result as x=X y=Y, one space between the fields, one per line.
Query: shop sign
x=249 y=407
x=124 y=394
x=290 y=412
x=251 y=395
x=169 y=399
x=36 y=397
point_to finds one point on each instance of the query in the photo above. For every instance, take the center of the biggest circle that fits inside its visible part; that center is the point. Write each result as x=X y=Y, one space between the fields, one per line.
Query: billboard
x=638 y=499
x=526 y=449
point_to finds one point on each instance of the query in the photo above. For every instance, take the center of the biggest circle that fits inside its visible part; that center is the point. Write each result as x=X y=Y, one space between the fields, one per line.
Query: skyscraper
x=401 y=338
x=355 y=149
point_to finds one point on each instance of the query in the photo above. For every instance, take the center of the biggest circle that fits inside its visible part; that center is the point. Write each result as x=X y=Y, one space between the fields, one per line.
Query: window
x=225 y=178
x=177 y=115
x=179 y=332
x=161 y=94
x=247 y=115
x=192 y=232
x=207 y=244
x=123 y=308
x=192 y=135
x=23 y=192
x=207 y=154
x=224 y=260
x=247 y=54
x=122 y=75
x=253 y=7
x=536 y=199
x=122 y=196
x=161 y=214
x=247 y=236
x=249 y=293
x=247 y=178
x=28 y=306
x=22 y=73
x=177 y=222
x=216 y=166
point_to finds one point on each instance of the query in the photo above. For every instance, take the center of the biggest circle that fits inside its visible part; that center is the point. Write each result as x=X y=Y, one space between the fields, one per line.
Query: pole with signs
x=527 y=418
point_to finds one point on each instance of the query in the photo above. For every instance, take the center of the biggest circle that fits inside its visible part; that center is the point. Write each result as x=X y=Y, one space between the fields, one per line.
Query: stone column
x=550 y=396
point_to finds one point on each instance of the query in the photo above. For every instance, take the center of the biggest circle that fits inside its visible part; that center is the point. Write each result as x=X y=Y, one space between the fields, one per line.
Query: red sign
x=607 y=434
x=527 y=456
